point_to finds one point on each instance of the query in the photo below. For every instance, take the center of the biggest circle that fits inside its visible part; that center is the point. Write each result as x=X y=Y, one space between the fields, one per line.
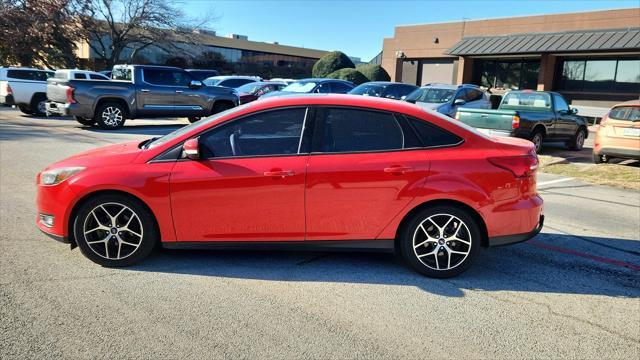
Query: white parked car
x=75 y=74
x=26 y=88
x=230 y=81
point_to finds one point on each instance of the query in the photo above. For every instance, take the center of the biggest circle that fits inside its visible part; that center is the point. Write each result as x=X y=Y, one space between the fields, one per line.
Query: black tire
x=110 y=116
x=193 y=119
x=85 y=121
x=537 y=138
x=576 y=143
x=599 y=159
x=38 y=105
x=426 y=256
x=220 y=107
x=101 y=245
x=25 y=109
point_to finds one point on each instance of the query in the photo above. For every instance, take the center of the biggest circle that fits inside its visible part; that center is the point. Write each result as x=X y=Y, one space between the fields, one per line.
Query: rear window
x=79 y=76
x=628 y=113
x=125 y=74
x=532 y=100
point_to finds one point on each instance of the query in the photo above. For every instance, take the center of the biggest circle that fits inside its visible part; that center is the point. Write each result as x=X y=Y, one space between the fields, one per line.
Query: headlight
x=56 y=176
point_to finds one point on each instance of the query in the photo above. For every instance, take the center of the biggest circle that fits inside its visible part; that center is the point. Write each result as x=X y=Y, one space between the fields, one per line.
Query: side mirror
x=196 y=84
x=574 y=110
x=458 y=102
x=191 y=149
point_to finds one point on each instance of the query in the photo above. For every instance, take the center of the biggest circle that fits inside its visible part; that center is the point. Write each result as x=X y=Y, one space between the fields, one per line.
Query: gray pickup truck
x=136 y=91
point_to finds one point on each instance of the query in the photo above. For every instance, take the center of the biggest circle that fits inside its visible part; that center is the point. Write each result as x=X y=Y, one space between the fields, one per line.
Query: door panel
x=353 y=196
x=241 y=199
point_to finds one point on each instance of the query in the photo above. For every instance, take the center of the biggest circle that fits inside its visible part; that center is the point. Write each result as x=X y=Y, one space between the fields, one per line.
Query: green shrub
x=374 y=72
x=331 y=62
x=349 y=74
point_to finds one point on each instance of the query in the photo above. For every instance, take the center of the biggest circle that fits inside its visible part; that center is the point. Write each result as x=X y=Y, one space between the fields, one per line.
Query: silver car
x=446 y=99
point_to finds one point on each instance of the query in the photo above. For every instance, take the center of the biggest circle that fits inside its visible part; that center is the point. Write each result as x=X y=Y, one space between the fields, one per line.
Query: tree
x=331 y=62
x=349 y=74
x=112 y=27
x=38 y=33
x=374 y=72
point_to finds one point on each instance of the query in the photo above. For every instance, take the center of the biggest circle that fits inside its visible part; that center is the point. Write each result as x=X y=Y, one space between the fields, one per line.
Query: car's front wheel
x=115 y=230
x=441 y=241
x=537 y=138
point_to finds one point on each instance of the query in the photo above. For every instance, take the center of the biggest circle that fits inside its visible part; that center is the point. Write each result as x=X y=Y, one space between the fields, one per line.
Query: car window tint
x=560 y=103
x=347 y=130
x=461 y=94
x=159 y=77
x=393 y=92
x=323 y=88
x=79 y=76
x=97 y=77
x=340 y=88
x=26 y=74
x=181 y=78
x=269 y=133
x=629 y=113
x=233 y=83
x=431 y=135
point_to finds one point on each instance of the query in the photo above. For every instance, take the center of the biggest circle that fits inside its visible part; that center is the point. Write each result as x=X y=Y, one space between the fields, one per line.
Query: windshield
x=250 y=88
x=431 y=95
x=628 y=113
x=368 y=90
x=300 y=87
x=199 y=124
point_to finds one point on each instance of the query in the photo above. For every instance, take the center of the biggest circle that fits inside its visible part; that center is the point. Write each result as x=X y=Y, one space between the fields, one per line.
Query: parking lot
x=572 y=291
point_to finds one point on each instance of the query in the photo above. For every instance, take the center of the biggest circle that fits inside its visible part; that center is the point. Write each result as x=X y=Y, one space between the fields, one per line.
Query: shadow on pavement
x=525 y=267
x=156 y=130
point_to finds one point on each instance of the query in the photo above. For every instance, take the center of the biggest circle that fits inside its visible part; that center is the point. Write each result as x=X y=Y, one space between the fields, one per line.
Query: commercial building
x=592 y=58
x=238 y=54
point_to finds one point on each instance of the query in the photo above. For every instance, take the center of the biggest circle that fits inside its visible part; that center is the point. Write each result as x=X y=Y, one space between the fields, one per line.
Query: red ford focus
x=303 y=172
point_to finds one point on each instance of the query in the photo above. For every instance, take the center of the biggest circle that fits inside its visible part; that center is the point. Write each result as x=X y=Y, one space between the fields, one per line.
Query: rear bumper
x=512 y=239
x=624 y=153
x=56 y=108
x=7 y=100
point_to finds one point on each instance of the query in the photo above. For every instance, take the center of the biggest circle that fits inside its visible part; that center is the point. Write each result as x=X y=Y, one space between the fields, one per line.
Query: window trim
x=408 y=118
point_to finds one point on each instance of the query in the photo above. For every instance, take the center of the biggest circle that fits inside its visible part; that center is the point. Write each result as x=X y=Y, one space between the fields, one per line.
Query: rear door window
x=431 y=135
x=352 y=130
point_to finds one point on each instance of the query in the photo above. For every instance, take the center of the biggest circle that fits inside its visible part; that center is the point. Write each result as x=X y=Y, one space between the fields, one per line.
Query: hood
x=118 y=154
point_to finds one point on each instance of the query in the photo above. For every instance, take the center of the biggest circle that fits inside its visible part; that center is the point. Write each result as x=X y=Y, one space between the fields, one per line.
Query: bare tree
x=38 y=33
x=112 y=26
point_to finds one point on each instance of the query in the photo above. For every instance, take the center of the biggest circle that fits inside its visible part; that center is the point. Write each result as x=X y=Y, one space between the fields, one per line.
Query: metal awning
x=572 y=41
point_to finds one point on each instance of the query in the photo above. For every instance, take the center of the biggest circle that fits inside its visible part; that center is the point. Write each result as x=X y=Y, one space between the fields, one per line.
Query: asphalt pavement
x=573 y=291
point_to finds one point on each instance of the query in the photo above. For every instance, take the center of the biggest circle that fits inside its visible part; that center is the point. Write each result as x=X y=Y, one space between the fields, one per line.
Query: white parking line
x=554 y=181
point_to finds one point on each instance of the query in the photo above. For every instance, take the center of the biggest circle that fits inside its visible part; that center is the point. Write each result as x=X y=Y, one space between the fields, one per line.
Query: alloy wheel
x=113 y=231
x=442 y=242
x=112 y=116
x=580 y=140
x=42 y=107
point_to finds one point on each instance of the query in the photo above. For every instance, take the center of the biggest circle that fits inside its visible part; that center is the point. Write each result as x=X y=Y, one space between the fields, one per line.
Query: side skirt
x=323 y=245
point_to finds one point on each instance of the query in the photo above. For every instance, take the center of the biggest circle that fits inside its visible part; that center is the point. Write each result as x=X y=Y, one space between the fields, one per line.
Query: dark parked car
x=201 y=74
x=385 y=89
x=314 y=85
x=534 y=115
x=137 y=91
x=446 y=98
x=252 y=91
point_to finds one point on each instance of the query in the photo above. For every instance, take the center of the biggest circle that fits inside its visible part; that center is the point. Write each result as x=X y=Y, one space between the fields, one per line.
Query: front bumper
x=62 y=239
x=512 y=239
x=57 y=109
x=7 y=100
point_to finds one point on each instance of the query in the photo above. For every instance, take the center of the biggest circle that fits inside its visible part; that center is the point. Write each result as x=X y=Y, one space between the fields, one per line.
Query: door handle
x=398 y=169
x=279 y=173
x=145 y=90
x=179 y=91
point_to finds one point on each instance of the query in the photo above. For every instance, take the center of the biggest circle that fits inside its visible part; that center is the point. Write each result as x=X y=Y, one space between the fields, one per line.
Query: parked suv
x=137 y=91
x=618 y=135
x=446 y=99
x=25 y=88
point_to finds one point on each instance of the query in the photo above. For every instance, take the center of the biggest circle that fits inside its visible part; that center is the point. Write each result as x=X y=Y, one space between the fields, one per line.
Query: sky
x=358 y=27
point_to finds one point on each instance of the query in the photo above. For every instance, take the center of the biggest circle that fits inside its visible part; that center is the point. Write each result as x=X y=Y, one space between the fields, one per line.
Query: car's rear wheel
x=38 y=105
x=537 y=138
x=110 y=116
x=441 y=241
x=85 y=121
x=577 y=141
x=25 y=109
x=115 y=230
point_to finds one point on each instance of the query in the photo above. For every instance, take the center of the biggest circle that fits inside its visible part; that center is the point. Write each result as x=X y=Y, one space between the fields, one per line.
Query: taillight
x=603 y=121
x=70 y=98
x=9 y=90
x=520 y=166
x=515 y=122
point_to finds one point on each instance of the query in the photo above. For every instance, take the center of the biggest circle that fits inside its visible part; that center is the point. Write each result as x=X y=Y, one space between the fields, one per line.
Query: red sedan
x=307 y=172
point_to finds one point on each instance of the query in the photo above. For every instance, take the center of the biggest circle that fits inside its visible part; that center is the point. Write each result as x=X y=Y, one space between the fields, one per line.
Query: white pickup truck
x=25 y=88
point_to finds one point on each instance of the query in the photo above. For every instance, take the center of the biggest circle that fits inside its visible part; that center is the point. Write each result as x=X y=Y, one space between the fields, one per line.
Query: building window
x=507 y=74
x=601 y=76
